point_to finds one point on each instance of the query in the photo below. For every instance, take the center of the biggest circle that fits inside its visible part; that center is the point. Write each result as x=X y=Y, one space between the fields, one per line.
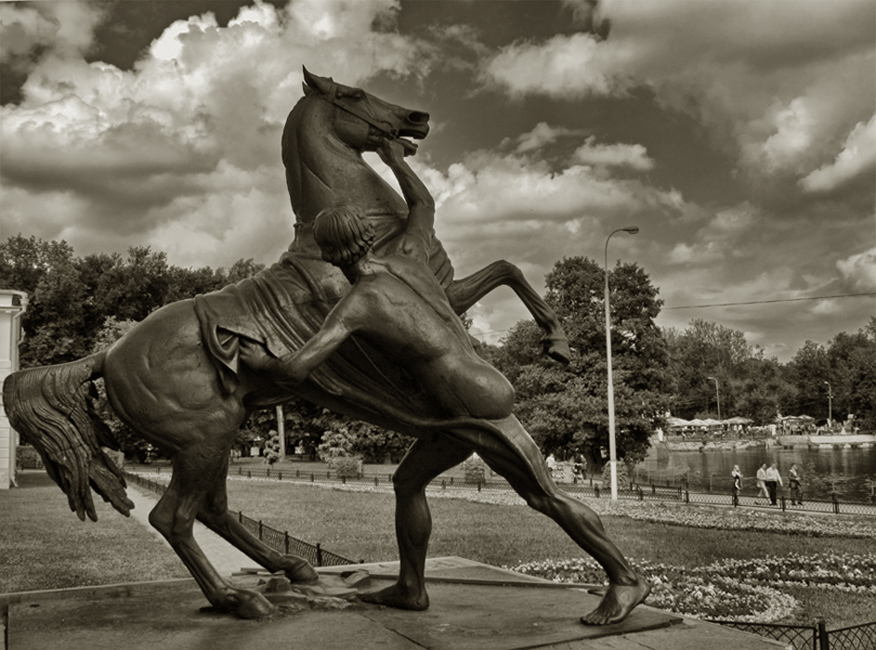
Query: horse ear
x=316 y=83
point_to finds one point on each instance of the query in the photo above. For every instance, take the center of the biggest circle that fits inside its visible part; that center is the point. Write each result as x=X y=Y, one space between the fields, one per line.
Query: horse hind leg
x=195 y=470
x=465 y=292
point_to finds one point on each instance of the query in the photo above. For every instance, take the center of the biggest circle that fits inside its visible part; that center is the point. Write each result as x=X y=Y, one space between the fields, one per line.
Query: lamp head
x=632 y=230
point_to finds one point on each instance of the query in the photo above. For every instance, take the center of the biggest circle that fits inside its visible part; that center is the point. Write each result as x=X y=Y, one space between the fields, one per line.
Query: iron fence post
x=823 y=639
x=260 y=530
x=318 y=555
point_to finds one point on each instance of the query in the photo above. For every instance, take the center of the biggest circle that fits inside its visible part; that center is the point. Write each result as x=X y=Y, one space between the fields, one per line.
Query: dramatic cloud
x=764 y=76
x=858 y=156
x=167 y=149
x=632 y=156
x=859 y=271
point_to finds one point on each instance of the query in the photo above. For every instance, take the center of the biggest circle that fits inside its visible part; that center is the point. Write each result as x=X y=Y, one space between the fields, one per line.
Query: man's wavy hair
x=343 y=233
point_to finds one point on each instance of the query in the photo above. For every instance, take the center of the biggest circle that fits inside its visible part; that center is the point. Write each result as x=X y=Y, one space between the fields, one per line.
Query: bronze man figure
x=397 y=306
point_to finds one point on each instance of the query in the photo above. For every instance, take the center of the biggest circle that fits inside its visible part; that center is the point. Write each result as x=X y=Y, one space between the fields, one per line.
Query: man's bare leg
x=413 y=521
x=515 y=456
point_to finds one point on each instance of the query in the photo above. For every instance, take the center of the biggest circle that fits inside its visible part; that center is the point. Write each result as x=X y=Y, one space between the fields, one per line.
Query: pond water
x=849 y=468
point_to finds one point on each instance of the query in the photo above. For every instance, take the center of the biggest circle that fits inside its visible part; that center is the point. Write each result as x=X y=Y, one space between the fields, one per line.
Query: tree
x=808 y=371
x=705 y=350
x=852 y=360
x=565 y=408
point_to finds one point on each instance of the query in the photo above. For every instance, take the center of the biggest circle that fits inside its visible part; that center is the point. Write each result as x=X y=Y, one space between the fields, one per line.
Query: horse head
x=323 y=141
x=364 y=120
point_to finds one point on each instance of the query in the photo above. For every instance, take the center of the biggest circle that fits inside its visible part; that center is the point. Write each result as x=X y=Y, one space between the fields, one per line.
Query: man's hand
x=392 y=151
x=255 y=355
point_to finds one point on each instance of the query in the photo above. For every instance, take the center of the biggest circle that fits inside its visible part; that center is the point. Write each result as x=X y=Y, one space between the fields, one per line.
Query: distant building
x=12 y=306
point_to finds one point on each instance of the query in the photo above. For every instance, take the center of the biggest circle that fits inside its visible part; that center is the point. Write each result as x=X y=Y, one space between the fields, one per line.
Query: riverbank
x=849 y=441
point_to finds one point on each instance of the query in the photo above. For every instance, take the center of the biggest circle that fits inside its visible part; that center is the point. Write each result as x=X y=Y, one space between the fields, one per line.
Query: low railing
x=677 y=492
x=279 y=540
x=813 y=637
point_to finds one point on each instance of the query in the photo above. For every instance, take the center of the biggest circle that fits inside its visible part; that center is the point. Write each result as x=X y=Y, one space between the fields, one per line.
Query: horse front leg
x=465 y=292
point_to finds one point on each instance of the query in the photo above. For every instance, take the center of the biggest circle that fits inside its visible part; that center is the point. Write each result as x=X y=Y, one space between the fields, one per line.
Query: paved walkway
x=221 y=554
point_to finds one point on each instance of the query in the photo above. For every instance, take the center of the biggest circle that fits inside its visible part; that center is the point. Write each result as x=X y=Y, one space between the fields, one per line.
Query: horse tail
x=51 y=407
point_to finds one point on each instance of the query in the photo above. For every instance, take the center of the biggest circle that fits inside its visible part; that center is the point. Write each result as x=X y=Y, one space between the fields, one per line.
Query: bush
x=475 y=470
x=623 y=476
x=27 y=457
x=348 y=466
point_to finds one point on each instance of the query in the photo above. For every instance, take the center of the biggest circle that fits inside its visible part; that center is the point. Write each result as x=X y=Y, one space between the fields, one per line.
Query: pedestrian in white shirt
x=773 y=481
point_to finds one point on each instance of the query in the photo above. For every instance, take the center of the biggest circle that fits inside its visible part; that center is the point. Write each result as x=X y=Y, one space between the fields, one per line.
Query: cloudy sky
x=739 y=136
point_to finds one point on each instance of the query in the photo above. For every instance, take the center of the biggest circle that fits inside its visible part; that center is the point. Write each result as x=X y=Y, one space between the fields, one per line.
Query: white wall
x=12 y=305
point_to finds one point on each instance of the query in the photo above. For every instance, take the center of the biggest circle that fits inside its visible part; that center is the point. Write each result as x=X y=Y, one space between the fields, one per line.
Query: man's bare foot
x=617 y=603
x=398 y=596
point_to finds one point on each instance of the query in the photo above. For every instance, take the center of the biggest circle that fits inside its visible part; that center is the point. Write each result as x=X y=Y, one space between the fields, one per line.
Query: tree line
x=81 y=304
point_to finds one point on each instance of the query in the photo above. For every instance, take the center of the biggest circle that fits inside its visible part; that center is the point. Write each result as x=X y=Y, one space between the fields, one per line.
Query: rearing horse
x=176 y=379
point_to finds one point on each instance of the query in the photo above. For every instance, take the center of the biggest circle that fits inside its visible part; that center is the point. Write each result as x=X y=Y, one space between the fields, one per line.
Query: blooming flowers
x=696 y=593
x=747 y=591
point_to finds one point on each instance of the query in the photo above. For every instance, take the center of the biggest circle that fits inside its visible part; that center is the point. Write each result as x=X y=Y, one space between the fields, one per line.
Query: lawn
x=43 y=545
x=359 y=525
x=54 y=549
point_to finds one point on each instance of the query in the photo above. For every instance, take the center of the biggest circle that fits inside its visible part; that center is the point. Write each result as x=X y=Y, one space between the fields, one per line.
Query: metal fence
x=279 y=540
x=669 y=491
x=813 y=637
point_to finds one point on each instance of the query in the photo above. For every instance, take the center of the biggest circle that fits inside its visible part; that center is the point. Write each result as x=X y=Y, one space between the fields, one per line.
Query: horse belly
x=161 y=382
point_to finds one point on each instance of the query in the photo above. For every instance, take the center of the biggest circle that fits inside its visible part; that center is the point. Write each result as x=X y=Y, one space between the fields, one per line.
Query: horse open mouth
x=413 y=132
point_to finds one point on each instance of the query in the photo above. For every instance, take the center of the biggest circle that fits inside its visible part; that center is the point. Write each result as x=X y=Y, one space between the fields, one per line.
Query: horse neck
x=321 y=170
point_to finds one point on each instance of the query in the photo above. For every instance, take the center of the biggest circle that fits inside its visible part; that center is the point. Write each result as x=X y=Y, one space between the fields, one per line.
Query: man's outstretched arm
x=297 y=366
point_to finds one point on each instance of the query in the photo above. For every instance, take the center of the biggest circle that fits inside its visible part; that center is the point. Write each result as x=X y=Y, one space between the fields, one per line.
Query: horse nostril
x=418 y=117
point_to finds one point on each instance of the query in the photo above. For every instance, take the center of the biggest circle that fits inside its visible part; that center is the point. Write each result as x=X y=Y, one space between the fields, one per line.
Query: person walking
x=737 y=484
x=773 y=481
x=761 y=483
x=794 y=484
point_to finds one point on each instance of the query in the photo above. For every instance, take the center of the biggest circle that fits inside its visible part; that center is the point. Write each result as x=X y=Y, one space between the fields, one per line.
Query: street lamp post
x=612 y=446
x=829 y=404
x=717 y=395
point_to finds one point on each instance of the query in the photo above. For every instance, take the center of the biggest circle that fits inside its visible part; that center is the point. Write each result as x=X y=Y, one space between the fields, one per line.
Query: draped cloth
x=285 y=305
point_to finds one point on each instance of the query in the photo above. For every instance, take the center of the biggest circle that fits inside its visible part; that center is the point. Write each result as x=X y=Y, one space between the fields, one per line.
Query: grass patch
x=43 y=545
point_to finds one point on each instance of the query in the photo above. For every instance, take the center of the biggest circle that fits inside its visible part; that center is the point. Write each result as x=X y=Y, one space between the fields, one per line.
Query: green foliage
x=348 y=467
x=565 y=408
x=623 y=477
x=475 y=470
x=271 y=451
x=70 y=298
x=335 y=444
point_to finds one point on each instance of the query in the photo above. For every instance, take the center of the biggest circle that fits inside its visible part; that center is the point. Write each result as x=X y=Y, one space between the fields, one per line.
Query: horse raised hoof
x=556 y=346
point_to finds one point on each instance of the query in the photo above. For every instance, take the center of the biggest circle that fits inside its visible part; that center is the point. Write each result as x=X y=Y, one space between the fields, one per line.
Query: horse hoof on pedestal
x=250 y=604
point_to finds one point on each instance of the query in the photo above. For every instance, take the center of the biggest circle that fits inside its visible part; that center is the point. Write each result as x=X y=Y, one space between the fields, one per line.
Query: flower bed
x=838 y=571
x=694 y=593
x=748 y=591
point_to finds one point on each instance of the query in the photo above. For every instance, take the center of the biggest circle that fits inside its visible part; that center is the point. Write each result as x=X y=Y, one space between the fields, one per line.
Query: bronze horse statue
x=176 y=378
